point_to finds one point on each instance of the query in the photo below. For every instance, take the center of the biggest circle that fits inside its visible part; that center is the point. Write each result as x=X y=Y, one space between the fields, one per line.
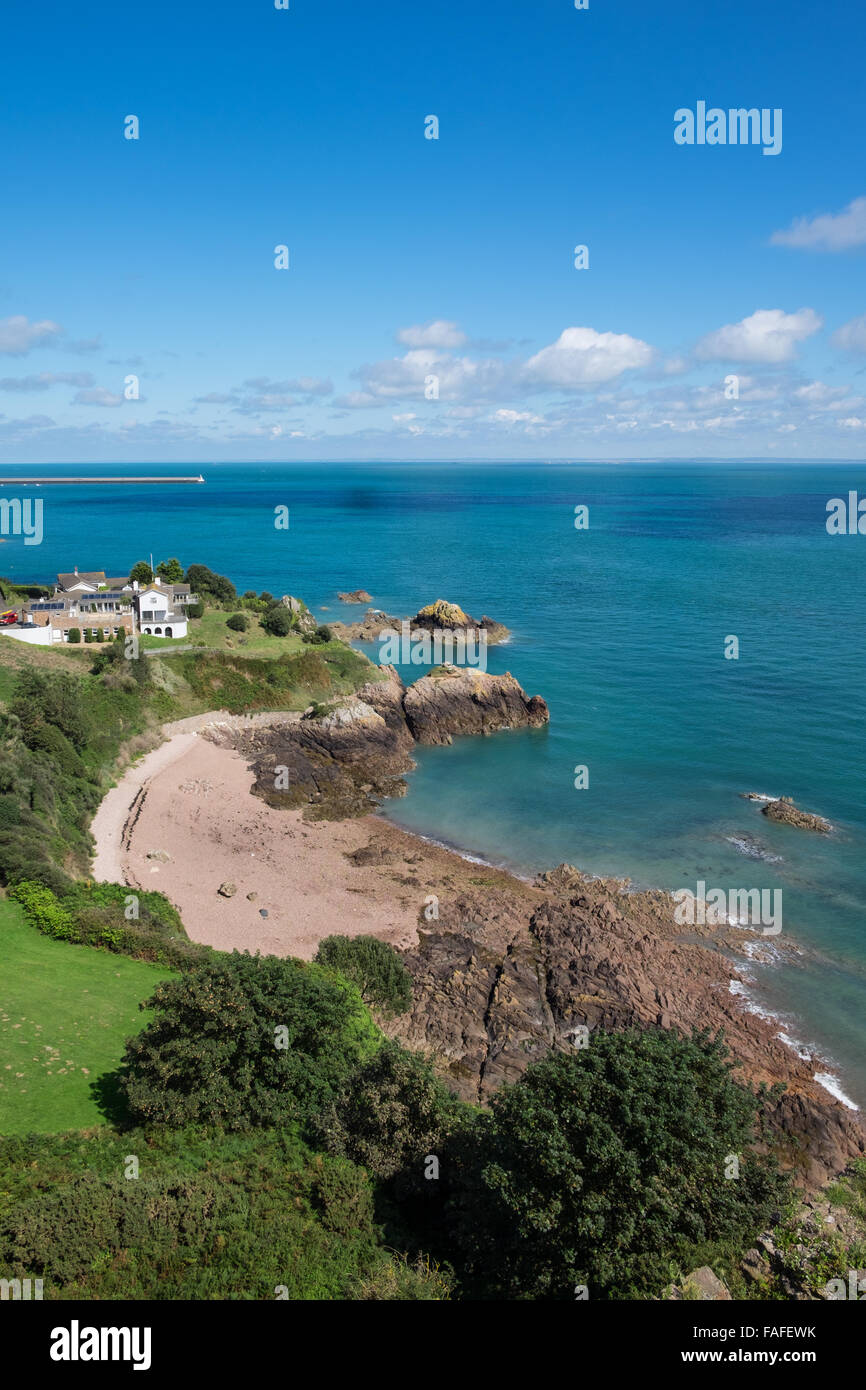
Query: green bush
x=226 y=1217
x=372 y=965
x=208 y=585
x=50 y=697
x=216 y=1050
x=277 y=621
x=390 y=1114
x=100 y=635
x=603 y=1167
x=237 y=622
x=74 y=635
x=43 y=910
x=195 y=610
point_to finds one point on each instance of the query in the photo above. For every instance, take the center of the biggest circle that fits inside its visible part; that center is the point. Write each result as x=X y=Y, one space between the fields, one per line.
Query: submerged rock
x=356 y=596
x=786 y=813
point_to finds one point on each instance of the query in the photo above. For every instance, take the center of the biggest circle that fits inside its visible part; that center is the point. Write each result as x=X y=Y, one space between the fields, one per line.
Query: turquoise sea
x=622 y=628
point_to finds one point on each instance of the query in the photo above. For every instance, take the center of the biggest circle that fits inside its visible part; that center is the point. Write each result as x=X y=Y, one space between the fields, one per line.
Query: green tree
x=208 y=585
x=601 y=1167
x=372 y=965
x=246 y=1040
x=277 y=621
x=171 y=571
x=237 y=622
x=74 y=634
x=142 y=572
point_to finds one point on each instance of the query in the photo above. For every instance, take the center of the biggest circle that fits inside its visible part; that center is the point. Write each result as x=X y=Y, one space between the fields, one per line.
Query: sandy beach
x=182 y=820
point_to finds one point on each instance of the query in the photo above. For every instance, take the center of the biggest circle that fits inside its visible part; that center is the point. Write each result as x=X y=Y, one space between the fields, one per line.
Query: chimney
x=76 y=571
x=157 y=581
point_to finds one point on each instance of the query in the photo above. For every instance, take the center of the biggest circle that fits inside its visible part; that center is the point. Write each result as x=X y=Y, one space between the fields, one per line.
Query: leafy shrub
x=195 y=610
x=50 y=697
x=44 y=911
x=237 y=622
x=211 y=1217
x=277 y=621
x=213 y=1052
x=390 y=1113
x=344 y=1198
x=372 y=965
x=603 y=1166
x=74 y=635
x=208 y=585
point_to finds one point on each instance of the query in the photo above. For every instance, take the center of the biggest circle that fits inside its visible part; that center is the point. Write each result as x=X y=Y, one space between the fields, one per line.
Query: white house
x=161 y=608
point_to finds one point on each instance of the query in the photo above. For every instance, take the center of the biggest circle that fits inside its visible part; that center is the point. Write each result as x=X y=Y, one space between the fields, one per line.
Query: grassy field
x=210 y=631
x=65 y=1013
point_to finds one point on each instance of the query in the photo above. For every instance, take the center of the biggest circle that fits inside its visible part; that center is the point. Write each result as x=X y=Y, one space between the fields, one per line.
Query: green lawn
x=65 y=1013
x=210 y=630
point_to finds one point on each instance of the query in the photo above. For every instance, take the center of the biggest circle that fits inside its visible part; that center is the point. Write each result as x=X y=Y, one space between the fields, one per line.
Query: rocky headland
x=342 y=759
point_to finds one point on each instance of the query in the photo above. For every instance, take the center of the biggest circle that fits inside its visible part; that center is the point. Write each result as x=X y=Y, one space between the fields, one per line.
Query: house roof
x=69 y=581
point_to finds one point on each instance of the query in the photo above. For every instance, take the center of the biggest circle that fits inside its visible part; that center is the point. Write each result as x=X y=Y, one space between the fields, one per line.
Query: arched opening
x=168 y=632
x=157 y=632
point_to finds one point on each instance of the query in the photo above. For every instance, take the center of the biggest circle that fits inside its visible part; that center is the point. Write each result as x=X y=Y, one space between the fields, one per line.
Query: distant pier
x=61 y=482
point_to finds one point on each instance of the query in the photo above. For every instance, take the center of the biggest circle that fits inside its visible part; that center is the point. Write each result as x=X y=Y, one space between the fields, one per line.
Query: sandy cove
x=503 y=970
x=190 y=799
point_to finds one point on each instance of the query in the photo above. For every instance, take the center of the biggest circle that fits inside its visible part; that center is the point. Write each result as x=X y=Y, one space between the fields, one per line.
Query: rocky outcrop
x=303 y=620
x=336 y=761
x=356 y=596
x=440 y=617
x=508 y=971
x=342 y=758
x=786 y=813
x=461 y=700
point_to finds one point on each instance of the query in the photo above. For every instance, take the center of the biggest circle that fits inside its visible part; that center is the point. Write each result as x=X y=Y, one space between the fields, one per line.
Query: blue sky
x=415 y=259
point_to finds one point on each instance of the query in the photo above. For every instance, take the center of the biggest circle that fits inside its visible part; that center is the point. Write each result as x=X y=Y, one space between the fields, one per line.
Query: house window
x=168 y=632
x=157 y=631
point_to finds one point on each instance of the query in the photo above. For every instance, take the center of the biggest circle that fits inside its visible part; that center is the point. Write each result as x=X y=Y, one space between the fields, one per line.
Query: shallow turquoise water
x=621 y=628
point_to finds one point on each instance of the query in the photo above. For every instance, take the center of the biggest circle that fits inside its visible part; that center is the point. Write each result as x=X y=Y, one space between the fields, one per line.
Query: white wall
x=36 y=636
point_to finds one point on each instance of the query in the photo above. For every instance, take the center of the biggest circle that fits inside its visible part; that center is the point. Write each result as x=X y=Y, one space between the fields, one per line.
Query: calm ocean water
x=621 y=627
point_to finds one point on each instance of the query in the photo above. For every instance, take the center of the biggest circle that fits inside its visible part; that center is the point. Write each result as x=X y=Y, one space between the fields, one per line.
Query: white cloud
x=583 y=357
x=18 y=335
x=517 y=417
x=98 y=395
x=439 y=333
x=828 y=232
x=42 y=381
x=852 y=423
x=768 y=335
x=852 y=336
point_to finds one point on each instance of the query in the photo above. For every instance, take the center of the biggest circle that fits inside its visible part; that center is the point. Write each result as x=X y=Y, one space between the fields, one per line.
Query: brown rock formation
x=454 y=700
x=786 y=813
x=508 y=972
x=356 y=596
